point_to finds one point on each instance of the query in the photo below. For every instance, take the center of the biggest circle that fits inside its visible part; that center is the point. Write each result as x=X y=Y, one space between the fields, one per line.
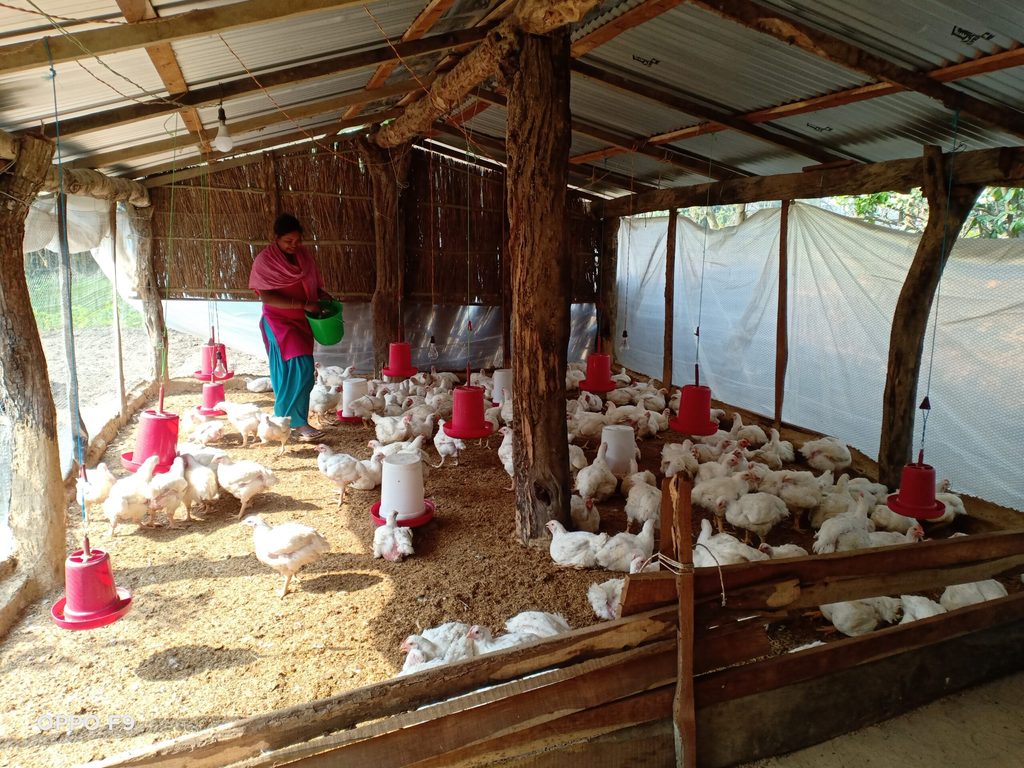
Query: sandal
x=310 y=437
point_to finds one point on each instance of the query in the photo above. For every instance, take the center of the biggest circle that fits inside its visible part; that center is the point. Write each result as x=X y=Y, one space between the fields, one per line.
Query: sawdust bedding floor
x=208 y=640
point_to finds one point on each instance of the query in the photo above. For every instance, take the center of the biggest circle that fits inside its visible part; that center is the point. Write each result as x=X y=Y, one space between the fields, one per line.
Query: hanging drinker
x=916 y=496
x=399 y=361
x=157 y=436
x=468 y=421
x=91 y=599
x=213 y=393
x=694 y=417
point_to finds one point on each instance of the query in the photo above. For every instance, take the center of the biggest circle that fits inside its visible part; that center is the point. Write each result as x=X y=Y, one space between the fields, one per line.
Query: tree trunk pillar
x=782 y=315
x=910 y=320
x=149 y=288
x=670 y=298
x=538 y=155
x=388 y=169
x=36 y=489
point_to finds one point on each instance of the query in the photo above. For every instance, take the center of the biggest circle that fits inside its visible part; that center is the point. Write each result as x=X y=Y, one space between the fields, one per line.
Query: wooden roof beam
x=199 y=23
x=267 y=80
x=692 y=106
x=992 y=167
x=166 y=64
x=624 y=22
x=422 y=24
x=536 y=17
x=824 y=45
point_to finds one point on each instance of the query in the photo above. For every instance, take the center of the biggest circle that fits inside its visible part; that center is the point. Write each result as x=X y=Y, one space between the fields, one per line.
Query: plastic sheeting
x=844 y=280
x=88 y=224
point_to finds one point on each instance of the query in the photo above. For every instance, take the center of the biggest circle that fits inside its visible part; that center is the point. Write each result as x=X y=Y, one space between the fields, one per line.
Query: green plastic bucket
x=329 y=326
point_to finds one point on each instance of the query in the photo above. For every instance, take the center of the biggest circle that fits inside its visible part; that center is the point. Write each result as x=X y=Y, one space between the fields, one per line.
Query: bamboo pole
x=670 y=297
x=782 y=317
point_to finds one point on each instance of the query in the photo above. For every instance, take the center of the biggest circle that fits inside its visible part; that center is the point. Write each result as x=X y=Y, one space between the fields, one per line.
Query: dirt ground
x=208 y=640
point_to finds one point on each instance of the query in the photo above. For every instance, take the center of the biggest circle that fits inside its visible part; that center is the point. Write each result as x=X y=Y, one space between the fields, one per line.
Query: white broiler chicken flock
x=287 y=548
x=574 y=549
x=244 y=480
x=721 y=549
x=94 y=488
x=858 y=617
x=392 y=541
x=128 y=500
x=826 y=454
x=259 y=384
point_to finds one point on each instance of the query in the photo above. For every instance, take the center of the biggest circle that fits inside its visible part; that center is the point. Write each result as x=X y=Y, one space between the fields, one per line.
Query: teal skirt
x=292 y=381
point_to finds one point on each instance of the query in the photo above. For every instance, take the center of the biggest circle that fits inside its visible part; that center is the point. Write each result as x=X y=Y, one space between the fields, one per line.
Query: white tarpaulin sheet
x=844 y=279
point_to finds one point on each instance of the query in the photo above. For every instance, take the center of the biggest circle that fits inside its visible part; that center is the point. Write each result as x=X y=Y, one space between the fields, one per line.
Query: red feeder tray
x=349 y=419
x=213 y=393
x=599 y=374
x=916 y=496
x=399 y=361
x=157 y=436
x=694 y=412
x=92 y=599
x=409 y=522
x=468 y=421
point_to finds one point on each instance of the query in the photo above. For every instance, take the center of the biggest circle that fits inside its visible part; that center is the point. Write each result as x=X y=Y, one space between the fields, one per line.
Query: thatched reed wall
x=208 y=229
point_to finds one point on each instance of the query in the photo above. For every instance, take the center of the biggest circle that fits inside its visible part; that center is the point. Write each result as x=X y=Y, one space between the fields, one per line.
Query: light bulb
x=219 y=371
x=223 y=141
x=624 y=343
x=432 y=352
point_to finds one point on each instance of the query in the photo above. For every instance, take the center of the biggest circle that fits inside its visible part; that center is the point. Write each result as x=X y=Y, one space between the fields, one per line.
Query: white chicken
x=203 y=454
x=678 y=457
x=754 y=512
x=842 y=533
x=618 y=552
x=584 y=513
x=890 y=538
x=392 y=541
x=505 y=453
x=202 y=485
x=244 y=480
x=538 y=624
x=447 y=446
x=391 y=429
x=574 y=549
x=287 y=548
x=606 y=598
x=485 y=642
x=875 y=491
x=887 y=520
x=637 y=478
x=259 y=384
x=95 y=486
x=916 y=607
x=208 y=432
x=577 y=459
x=644 y=504
x=782 y=551
x=775 y=452
x=597 y=481
x=342 y=469
x=721 y=549
x=752 y=433
x=167 y=490
x=128 y=500
x=708 y=493
x=274 y=429
x=372 y=473
x=827 y=453
x=858 y=617
x=245 y=417
x=324 y=400
x=962 y=595
x=954 y=506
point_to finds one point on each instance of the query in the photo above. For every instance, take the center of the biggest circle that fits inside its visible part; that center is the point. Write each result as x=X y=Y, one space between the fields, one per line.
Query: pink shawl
x=273 y=271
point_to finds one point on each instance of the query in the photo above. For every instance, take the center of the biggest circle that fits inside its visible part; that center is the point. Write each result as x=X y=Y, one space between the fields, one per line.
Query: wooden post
x=506 y=290
x=608 y=295
x=388 y=171
x=684 y=713
x=910 y=321
x=538 y=154
x=37 y=519
x=149 y=288
x=782 y=317
x=670 y=297
x=116 y=317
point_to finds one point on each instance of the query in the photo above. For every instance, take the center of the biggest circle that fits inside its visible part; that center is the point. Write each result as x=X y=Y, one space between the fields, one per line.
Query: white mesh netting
x=844 y=279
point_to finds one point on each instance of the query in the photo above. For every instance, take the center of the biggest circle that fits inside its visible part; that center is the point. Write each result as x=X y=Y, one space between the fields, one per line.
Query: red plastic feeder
x=213 y=393
x=694 y=416
x=599 y=374
x=468 y=415
x=91 y=598
x=208 y=362
x=916 y=496
x=157 y=436
x=409 y=522
x=400 y=361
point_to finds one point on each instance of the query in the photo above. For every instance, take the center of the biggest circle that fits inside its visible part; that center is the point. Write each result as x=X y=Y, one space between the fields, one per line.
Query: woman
x=287 y=281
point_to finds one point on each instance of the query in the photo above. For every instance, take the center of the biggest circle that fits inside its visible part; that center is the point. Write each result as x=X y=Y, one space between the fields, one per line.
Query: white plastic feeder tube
x=502 y=383
x=621 y=442
x=402 y=486
x=352 y=389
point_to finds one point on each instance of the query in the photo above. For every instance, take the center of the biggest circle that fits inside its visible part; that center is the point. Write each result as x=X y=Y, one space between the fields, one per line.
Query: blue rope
x=926 y=403
x=75 y=414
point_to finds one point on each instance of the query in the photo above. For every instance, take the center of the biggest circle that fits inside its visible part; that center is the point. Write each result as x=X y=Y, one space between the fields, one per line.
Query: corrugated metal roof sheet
x=17 y=23
x=752 y=155
x=615 y=109
x=696 y=52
